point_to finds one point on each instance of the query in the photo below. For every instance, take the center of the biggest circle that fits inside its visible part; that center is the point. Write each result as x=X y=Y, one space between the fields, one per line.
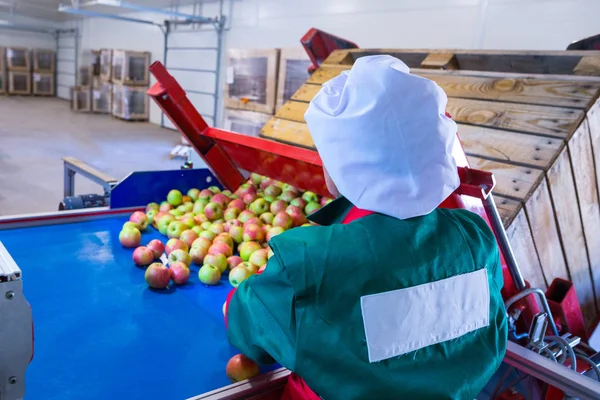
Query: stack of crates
x=2 y=70
x=18 y=64
x=130 y=79
x=81 y=95
x=101 y=88
x=44 y=67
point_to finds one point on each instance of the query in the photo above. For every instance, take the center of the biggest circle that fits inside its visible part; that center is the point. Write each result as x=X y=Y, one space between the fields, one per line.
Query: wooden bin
x=18 y=59
x=19 y=83
x=85 y=75
x=252 y=80
x=43 y=84
x=245 y=122
x=2 y=71
x=44 y=60
x=130 y=103
x=130 y=68
x=102 y=98
x=81 y=98
x=293 y=72
x=106 y=65
x=538 y=133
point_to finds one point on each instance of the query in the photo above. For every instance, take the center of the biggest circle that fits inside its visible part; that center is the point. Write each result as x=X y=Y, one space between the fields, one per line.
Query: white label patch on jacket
x=405 y=320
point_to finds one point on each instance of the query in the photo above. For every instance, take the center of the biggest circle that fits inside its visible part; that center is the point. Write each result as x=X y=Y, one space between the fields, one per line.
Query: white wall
x=18 y=38
x=489 y=24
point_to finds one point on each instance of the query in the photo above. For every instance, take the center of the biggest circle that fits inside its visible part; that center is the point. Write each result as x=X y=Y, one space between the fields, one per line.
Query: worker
x=390 y=297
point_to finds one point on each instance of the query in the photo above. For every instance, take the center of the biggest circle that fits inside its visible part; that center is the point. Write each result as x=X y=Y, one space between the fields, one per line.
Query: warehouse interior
x=152 y=150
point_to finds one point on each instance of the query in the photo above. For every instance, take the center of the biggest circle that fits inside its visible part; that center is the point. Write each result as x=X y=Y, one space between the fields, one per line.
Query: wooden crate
x=3 y=82
x=106 y=56
x=130 y=68
x=85 y=75
x=18 y=59
x=102 y=98
x=130 y=103
x=252 y=80
x=293 y=72
x=245 y=122
x=19 y=83
x=44 y=60
x=537 y=132
x=43 y=84
x=81 y=98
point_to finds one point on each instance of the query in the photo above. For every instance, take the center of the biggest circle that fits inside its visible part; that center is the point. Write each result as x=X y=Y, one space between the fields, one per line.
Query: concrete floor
x=36 y=132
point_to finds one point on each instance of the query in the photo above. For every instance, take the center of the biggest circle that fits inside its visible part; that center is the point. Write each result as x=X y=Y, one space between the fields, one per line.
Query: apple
x=217 y=260
x=259 y=257
x=188 y=236
x=310 y=196
x=165 y=207
x=130 y=225
x=220 y=199
x=205 y=194
x=202 y=242
x=299 y=202
x=175 y=229
x=288 y=196
x=245 y=189
x=199 y=205
x=152 y=206
x=238 y=275
x=266 y=182
x=176 y=213
x=231 y=214
x=157 y=218
x=186 y=207
x=157 y=247
x=224 y=238
x=247 y=248
x=270 y=199
x=193 y=194
x=214 y=189
x=188 y=221
x=273 y=191
x=266 y=229
x=289 y=188
x=227 y=193
x=233 y=262
x=277 y=206
x=297 y=215
x=200 y=219
x=311 y=207
x=143 y=256
x=174 y=244
x=181 y=256
x=225 y=309
x=255 y=178
x=274 y=231
x=253 y=221
x=307 y=224
x=245 y=216
x=208 y=235
x=213 y=211
x=197 y=255
x=249 y=198
x=252 y=268
x=157 y=276
x=253 y=233
x=237 y=233
x=240 y=368
x=150 y=214
x=261 y=269
x=180 y=273
x=269 y=253
x=209 y=274
x=233 y=222
x=217 y=228
x=219 y=221
x=267 y=217
x=237 y=203
x=186 y=199
x=130 y=237
x=174 y=197
x=164 y=223
x=220 y=248
x=324 y=201
x=259 y=206
x=283 y=220
x=206 y=225
x=198 y=229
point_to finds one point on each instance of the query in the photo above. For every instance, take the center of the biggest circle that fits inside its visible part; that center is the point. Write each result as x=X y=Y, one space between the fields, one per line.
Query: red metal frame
x=319 y=45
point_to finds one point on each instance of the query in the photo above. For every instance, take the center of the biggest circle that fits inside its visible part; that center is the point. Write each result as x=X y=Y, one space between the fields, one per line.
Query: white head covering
x=384 y=138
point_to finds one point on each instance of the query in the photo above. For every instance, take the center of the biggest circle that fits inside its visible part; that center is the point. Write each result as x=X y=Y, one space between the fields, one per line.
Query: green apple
x=193 y=194
x=270 y=199
x=267 y=218
x=259 y=257
x=208 y=235
x=206 y=225
x=237 y=233
x=274 y=231
x=180 y=255
x=186 y=207
x=214 y=189
x=311 y=207
x=273 y=191
x=227 y=193
x=213 y=211
x=231 y=213
x=256 y=178
x=175 y=197
x=152 y=206
x=310 y=196
x=218 y=260
x=209 y=274
x=199 y=205
x=288 y=196
x=299 y=202
x=259 y=206
x=252 y=268
x=150 y=215
x=289 y=188
x=245 y=216
x=164 y=223
x=197 y=229
x=176 y=213
x=189 y=221
x=202 y=242
x=247 y=248
x=197 y=255
x=175 y=229
x=217 y=228
x=238 y=275
x=224 y=238
x=130 y=225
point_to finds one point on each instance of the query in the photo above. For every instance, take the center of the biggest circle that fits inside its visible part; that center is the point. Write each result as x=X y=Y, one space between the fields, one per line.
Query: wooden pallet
x=18 y=59
x=536 y=132
x=44 y=60
x=43 y=84
x=19 y=83
x=252 y=80
x=293 y=72
x=81 y=99
x=106 y=65
x=130 y=68
x=130 y=103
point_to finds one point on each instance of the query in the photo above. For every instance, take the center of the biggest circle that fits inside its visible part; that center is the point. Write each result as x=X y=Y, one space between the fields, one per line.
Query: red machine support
x=319 y=45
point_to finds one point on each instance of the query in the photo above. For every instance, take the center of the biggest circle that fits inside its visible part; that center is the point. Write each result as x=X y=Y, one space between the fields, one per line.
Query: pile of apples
x=220 y=231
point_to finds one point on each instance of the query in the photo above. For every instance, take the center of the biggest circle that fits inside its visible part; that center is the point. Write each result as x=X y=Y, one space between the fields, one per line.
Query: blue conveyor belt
x=101 y=333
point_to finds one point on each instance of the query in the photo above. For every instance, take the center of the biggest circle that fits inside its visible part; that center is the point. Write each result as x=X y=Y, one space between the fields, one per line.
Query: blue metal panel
x=101 y=333
x=141 y=188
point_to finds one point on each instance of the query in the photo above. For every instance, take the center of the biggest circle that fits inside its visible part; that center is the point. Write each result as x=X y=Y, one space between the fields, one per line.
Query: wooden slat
x=306 y=93
x=440 y=61
x=291 y=132
x=512 y=181
x=545 y=233
x=588 y=66
x=582 y=159
x=564 y=198
x=521 y=241
x=324 y=74
x=508 y=209
x=593 y=118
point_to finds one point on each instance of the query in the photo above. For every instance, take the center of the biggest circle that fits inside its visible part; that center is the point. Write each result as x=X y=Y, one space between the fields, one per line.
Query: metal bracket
x=73 y=166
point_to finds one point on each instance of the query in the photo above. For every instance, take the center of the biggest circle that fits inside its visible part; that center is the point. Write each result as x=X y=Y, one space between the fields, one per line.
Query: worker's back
x=332 y=267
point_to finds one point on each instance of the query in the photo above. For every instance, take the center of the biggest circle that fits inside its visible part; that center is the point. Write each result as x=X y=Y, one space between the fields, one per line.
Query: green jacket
x=304 y=311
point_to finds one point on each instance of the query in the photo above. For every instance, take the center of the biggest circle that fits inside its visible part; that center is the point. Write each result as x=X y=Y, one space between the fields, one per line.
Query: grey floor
x=36 y=132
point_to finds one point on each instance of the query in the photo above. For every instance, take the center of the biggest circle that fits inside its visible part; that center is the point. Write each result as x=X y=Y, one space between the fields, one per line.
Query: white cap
x=384 y=138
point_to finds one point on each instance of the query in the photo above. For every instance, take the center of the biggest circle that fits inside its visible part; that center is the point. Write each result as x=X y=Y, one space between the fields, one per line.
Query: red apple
x=283 y=220
x=297 y=215
x=152 y=206
x=217 y=228
x=163 y=223
x=157 y=276
x=199 y=206
x=236 y=233
x=130 y=237
x=288 y=196
x=253 y=233
x=249 y=198
x=143 y=256
x=220 y=248
x=245 y=189
x=234 y=261
x=298 y=202
x=218 y=260
x=231 y=214
x=277 y=206
x=261 y=269
x=220 y=199
x=174 y=244
x=259 y=257
x=208 y=235
x=193 y=194
x=266 y=229
x=245 y=216
x=205 y=194
x=247 y=248
x=209 y=274
x=238 y=275
x=253 y=221
x=324 y=201
x=252 y=268
x=213 y=211
x=197 y=255
x=274 y=231
x=165 y=207
x=200 y=218
x=267 y=217
x=237 y=203
x=188 y=220
x=188 y=237
x=157 y=247
x=256 y=179
x=181 y=256
x=230 y=223
x=157 y=218
x=202 y=242
x=273 y=190
x=224 y=238
x=180 y=273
